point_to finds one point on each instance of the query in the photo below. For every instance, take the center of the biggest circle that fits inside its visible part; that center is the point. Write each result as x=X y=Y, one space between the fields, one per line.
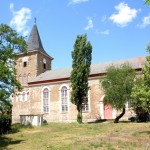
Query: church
x=47 y=92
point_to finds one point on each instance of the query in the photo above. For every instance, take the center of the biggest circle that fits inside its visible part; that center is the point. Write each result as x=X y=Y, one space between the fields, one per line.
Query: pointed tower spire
x=34 y=41
x=35 y=20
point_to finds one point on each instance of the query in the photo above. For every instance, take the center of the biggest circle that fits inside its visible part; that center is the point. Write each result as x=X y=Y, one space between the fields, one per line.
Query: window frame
x=23 y=96
x=44 y=63
x=88 y=103
x=67 y=99
x=42 y=100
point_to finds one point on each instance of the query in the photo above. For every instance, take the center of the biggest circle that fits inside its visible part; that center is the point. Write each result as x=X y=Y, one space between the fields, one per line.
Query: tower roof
x=34 y=41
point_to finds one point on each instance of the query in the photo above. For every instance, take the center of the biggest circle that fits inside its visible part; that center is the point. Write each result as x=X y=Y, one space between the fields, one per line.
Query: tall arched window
x=86 y=103
x=23 y=96
x=45 y=100
x=64 y=99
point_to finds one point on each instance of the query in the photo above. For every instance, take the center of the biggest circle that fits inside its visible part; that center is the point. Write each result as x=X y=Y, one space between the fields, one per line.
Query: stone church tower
x=35 y=62
x=28 y=66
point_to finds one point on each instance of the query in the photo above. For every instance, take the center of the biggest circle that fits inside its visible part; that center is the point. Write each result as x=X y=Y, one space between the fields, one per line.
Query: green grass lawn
x=73 y=136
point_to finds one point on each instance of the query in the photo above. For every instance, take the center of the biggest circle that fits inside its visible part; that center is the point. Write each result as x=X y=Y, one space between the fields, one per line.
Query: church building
x=47 y=92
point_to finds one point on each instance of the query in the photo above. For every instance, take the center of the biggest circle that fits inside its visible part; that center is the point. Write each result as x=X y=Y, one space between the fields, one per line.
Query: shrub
x=5 y=123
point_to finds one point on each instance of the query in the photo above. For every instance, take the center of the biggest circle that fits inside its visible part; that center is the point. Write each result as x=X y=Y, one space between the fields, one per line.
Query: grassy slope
x=72 y=136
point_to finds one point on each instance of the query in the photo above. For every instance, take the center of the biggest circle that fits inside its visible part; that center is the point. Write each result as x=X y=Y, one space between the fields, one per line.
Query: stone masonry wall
x=29 y=71
x=40 y=68
x=33 y=105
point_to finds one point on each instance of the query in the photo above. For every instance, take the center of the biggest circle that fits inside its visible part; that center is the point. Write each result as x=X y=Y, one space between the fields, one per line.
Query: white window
x=86 y=103
x=64 y=99
x=128 y=104
x=23 y=96
x=46 y=100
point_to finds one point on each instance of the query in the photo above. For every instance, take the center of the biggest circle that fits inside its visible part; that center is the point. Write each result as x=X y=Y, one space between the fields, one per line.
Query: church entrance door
x=107 y=111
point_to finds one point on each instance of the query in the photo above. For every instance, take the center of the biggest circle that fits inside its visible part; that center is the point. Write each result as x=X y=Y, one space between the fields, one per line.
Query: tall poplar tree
x=81 y=61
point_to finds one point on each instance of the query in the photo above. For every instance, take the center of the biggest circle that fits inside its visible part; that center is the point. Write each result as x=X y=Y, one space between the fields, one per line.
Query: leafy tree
x=81 y=55
x=147 y=2
x=117 y=86
x=141 y=90
x=10 y=43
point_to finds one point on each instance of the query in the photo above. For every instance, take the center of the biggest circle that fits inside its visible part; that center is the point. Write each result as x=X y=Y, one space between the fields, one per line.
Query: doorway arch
x=106 y=110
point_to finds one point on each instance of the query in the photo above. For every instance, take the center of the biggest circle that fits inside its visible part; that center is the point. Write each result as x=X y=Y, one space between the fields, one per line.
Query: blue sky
x=117 y=29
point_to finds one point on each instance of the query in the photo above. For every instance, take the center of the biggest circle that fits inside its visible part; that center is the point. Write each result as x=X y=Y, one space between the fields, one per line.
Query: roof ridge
x=96 y=69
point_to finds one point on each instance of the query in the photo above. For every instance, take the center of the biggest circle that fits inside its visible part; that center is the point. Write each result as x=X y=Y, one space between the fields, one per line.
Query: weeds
x=72 y=136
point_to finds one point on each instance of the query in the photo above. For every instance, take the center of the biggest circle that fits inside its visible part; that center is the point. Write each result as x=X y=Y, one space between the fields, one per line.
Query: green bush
x=5 y=123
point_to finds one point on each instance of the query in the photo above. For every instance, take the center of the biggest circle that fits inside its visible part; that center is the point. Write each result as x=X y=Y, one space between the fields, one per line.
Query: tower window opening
x=25 y=64
x=44 y=65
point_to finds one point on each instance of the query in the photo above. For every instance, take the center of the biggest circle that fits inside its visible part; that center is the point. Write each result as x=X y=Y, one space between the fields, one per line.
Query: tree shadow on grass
x=5 y=142
x=125 y=121
x=98 y=121
x=108 y=121
x=16 y=128
x=145 y=132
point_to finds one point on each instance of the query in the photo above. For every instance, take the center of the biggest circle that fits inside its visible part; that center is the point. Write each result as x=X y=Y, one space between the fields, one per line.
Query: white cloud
x=11 y=7
x=105 y=32
x=124 y=16
x=20 y=19
x=145 y=21
x=76 y=1
x=89 y=25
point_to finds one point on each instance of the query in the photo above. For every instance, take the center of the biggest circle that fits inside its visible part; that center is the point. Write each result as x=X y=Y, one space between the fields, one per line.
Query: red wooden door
x=107 y=112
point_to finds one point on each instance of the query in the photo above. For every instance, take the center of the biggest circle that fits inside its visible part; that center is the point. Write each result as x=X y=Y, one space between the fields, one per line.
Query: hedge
x=5 y=123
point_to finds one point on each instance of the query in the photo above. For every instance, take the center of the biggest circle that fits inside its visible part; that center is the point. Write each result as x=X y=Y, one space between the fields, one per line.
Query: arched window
x=25 y=60
x=64 y=99
x=86 y=103
x=23 y=96
x=44 y=63
x=46 y=100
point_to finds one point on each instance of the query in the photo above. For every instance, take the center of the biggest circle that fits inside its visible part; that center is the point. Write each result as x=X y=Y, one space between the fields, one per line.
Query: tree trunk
x=79 y=115
x=118 y=117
